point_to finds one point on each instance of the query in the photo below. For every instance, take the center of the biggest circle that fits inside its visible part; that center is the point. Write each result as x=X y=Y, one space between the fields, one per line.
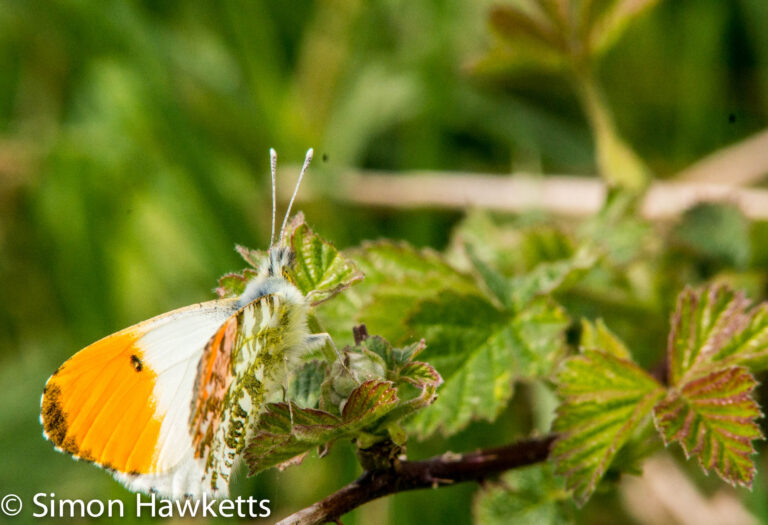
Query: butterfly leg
x=290 y=405
x=285 y=391
x=315 y=341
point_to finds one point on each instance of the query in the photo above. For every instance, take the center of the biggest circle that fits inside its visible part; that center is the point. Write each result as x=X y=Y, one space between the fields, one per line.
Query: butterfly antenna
x=273 y=170
x=307 y=160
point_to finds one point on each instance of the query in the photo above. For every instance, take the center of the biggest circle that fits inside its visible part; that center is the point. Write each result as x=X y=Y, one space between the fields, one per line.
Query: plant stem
x=438 y=471
x=619 y=165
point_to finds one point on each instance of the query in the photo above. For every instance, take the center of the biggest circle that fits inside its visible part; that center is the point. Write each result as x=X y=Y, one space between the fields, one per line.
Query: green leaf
x=233 y=284
x=526 y=496
x=548 y=277
x=357 y=365
x=284 y=432
x=713 y=418
x=426 y=380
x=553 y=32
x=480 y=347
x=597 y=336
x=255 y=258
x=368 y=402
x=715 y=327
x=274 y=442
x=644 y=443
x=708 y=410
x=397 y=277
x=363 y=399
x=480 y=350
x=303 y=387
x=512 y=248
x=534 y=262
x=611 y=25
x=495 y=283
x=617 y=230
x=319 y=271
x=700 y=320
x=505 y=56
x=522 y=40
x=714 y=233
x=517 y=25
x=749 y=345
x=619 y=165
x=408 y=353
x=375 y=358
x=606 y=400
x=420 y=374
x=387 y=261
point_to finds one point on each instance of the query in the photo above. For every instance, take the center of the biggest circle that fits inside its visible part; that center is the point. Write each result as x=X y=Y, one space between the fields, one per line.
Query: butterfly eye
x=136 y=362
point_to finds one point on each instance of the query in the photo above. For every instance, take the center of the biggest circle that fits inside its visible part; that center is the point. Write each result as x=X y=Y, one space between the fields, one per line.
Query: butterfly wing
x=242 y=365
x=123 y=402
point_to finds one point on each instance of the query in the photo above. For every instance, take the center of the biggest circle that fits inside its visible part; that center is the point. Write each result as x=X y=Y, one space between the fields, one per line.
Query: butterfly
x=166 y=405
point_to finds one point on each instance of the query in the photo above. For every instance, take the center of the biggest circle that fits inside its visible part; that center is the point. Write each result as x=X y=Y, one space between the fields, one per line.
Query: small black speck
x=136 y=362
x=325 y=157
x=732 y=118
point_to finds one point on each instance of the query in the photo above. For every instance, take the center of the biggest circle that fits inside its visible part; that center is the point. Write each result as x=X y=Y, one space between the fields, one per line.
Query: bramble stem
x=438 y=471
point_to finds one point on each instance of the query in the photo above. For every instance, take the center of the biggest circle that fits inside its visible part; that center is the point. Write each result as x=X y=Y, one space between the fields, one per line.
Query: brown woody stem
x=446 y=469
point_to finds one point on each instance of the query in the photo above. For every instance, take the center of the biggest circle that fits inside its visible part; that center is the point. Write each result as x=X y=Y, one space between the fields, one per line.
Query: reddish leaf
x=713 y=418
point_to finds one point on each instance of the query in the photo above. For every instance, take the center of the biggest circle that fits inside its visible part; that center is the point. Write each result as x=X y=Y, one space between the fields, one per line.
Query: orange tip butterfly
x=166 y=405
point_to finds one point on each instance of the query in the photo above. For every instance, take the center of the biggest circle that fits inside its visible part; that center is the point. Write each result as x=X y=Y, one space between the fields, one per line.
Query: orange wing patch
x=99 y=406
x=213 y=380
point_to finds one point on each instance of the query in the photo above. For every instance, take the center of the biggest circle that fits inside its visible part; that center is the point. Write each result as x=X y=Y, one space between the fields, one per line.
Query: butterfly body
x=166 y=405
x=246 y=361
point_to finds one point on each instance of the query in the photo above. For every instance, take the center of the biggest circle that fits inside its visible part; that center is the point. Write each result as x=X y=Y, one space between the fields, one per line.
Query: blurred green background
x=133 y=156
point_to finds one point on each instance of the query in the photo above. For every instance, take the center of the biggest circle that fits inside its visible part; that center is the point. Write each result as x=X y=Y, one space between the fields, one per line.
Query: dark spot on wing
x=136 y=362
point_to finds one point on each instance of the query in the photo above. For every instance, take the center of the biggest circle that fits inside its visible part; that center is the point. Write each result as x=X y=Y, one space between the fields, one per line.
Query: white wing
x=124 y=401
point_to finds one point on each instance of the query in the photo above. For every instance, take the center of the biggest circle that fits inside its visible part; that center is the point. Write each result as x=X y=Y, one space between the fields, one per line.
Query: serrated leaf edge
x=745 y=395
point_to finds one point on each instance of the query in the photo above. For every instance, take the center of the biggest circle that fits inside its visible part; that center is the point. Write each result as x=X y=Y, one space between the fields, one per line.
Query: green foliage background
x=133 y=156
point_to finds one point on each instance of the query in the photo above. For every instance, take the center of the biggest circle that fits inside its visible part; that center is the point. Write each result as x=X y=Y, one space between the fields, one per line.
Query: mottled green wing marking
x=241 y=365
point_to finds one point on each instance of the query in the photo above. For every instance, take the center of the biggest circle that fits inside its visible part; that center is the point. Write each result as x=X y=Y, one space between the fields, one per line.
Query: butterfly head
x=280 y=257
